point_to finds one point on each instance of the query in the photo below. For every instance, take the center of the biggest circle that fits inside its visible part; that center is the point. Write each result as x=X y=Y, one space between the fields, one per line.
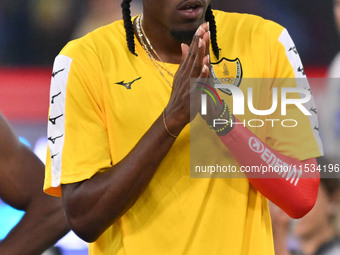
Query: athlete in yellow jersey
x=119 y=141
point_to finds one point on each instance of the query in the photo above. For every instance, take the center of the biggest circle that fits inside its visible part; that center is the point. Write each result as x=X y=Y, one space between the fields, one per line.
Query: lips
x=189 y=4
x=190 y=9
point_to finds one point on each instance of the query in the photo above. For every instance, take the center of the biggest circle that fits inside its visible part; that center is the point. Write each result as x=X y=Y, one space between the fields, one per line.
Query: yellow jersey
x=103 y=99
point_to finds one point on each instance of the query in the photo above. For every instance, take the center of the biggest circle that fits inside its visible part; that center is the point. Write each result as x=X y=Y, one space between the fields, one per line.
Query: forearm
x=43 y=224
x=21 y=185
x=105 y=197
x=290 y=187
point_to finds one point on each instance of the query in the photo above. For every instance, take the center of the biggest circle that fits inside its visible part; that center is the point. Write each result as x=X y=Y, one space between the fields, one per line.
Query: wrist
x=222 y=123
x=173 y=124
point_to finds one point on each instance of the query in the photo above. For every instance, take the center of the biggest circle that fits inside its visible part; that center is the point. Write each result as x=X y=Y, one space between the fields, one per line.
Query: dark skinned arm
x=21 y=186
x=105 y=197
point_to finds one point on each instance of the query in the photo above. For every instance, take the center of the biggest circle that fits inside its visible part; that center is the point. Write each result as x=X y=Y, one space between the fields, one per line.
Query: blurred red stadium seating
x=24 y=93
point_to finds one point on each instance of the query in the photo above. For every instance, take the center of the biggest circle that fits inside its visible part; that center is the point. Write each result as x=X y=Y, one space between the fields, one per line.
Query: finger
x=198 y=63
x=205 y=26
x=189 y=53
x=195 y=44
x=205 y=69
x=206 y=60
x=206 y=39
x=195 y=41
x=200 y=80
x=205 y=72
x=185 y=51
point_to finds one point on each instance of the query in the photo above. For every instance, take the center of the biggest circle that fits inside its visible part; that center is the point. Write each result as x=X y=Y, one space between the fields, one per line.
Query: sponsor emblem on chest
x=128 y=85
x=227 y=71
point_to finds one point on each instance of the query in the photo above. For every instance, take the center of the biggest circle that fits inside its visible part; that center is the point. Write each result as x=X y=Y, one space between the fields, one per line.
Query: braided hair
x=209 y=16
x=128 y=26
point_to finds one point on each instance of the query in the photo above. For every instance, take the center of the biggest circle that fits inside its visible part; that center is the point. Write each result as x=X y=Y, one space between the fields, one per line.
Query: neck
x=311 y=243
x=162 y=41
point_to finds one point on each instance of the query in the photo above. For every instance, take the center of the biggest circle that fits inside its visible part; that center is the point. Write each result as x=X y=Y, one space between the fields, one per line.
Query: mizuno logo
x=54 y=139
x=55 y=73
x=300 y=69
x=293 y=49
x=53 y=156
x=53 y=97
x=313 y=110
x=127 y=84
x=53 y=120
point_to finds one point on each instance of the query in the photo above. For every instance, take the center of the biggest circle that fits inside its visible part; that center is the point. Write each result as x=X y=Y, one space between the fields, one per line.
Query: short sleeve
x=77 y=136
x=303 y=140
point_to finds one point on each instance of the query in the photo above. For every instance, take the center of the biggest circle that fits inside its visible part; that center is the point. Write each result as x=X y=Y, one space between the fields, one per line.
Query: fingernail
x=209 y=34
x=200 y=42
x=205 y=69
x=208 y=25
x=198 y=32
x=182 y=46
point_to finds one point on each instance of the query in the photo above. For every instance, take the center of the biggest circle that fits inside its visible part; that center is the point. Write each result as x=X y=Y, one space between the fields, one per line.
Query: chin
x=183 y=36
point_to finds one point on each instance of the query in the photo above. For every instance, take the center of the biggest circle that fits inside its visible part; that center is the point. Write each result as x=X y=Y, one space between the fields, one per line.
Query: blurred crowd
x=317 y=233
x=32 y=32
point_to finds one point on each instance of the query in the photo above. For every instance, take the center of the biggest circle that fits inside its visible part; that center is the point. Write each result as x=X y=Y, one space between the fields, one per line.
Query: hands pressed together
x=194 y=65
x=194 y=70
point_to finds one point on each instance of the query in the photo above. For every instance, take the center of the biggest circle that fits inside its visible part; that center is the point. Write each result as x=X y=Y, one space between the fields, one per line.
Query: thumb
x=185 y=51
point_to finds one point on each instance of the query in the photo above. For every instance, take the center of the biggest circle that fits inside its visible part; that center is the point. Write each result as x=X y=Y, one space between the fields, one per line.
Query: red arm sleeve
x=289 y=183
